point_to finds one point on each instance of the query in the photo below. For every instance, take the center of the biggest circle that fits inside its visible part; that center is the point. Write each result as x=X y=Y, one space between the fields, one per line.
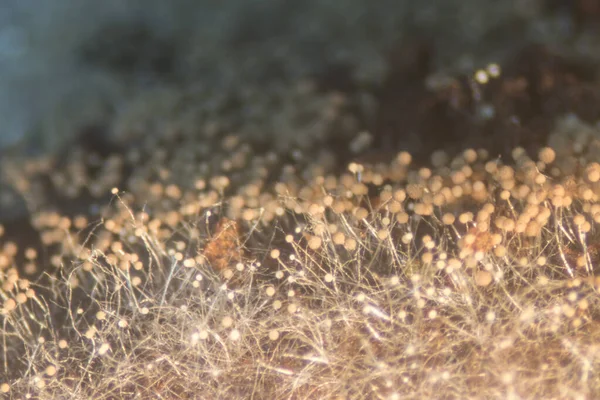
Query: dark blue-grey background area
x=64 y=63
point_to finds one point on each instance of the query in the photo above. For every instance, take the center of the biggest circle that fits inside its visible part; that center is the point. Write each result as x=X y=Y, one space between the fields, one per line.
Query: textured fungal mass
x=432 y=233
x=399 y=252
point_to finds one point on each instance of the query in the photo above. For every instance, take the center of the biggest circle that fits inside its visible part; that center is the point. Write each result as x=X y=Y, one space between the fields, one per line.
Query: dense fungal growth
x=411 y=232
x=385 y=280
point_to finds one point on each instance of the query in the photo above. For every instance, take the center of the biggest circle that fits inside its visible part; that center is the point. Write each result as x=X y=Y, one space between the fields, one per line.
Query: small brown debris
x=224 y=248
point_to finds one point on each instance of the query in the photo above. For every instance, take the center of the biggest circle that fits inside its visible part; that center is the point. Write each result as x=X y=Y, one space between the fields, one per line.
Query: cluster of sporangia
x=464 y=223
